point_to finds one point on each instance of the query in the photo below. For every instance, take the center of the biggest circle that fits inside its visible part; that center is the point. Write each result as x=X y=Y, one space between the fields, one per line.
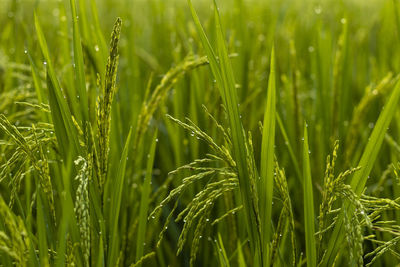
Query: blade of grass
x=241 y=262
x=43 y=248
x=67 y=226
x=289 y=146
x=38 y=85
x=36 y=79
x=311 y=253
x=223 y=74
x=397 y=16
x=144 y=201
x=79 y=66
x=116 y=197
x=99 y=35
x=266 y=182
x=223 y=258
x=66 y=134
x=366 y=163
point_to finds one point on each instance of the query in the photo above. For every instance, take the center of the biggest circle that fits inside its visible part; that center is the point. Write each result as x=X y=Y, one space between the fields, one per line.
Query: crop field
x=199 y=133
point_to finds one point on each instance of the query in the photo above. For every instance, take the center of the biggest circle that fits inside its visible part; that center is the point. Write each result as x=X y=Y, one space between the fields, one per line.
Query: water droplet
x=153 y=217
x=166 y=227
x=371 y=125
x=192 y=134
x=207 y=220
x=26 y=51
x=311 y=49
x=318 y=10
x=96 y=48
x=343 y=21
x=302 y=139
x=156 y=139
x=44 y=63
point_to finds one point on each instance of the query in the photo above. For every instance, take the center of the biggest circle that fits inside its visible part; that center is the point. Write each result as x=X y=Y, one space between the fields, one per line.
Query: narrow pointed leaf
x=116 y=197
x=366 y=163
x=144 y=201
x=66 y=134
x=311 y=253
x=223 y=74
x=267 y=162
x=79 y=65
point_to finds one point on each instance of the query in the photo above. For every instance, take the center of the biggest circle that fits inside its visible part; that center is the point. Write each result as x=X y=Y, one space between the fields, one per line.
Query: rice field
x=199 y=133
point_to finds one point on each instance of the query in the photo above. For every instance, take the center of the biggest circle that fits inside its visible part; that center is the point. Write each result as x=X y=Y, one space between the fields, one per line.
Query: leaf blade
x=116 y=204
x=267 y=161
x=308 y=199
x=366 y=163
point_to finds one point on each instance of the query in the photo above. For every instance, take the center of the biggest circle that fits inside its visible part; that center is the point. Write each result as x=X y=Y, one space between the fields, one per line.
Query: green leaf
x=80 y=82
x=66 y=133
x=144 y=201
x=366 y=163
x=223 y=74
x=289 y=147
x=267 y=162
x=114 y=211
x=223 y=258
x=241 y=261
x=311 y=253
x=43 y=248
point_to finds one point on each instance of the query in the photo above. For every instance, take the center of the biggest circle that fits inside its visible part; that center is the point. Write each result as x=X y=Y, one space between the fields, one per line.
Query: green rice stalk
x=308 y=205
x=105 y=102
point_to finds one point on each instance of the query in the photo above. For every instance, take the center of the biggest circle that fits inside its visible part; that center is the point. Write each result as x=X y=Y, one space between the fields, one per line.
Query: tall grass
x=180 y=143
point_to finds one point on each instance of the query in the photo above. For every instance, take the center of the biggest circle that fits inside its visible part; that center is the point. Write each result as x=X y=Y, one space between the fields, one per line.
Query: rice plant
x=199 y=133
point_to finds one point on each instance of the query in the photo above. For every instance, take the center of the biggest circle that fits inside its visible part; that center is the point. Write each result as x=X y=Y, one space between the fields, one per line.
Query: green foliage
x=180 y=144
